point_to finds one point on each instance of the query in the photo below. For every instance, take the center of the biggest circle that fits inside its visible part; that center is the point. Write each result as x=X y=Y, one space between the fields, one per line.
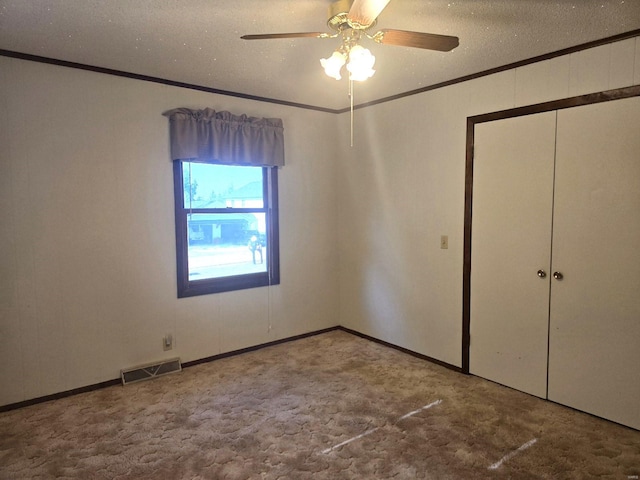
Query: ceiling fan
x=351 y=20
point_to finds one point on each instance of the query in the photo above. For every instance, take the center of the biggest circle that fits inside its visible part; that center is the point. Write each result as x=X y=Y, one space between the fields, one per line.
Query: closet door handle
x=558 y=275
x=542 y=273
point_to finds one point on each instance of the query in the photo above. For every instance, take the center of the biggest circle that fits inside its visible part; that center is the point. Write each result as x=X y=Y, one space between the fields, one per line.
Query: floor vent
x=150 y=370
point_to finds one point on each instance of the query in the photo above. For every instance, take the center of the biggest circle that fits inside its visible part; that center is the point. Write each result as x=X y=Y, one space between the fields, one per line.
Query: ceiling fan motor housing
x=338 y=17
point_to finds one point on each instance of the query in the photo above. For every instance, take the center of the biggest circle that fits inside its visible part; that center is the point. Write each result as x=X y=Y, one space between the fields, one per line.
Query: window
x=226 y=227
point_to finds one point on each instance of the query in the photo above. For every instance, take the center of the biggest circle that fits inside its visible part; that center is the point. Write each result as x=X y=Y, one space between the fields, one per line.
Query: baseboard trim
x=59 y=395
x=118 y=382
x=402 y=349
x=257 y=347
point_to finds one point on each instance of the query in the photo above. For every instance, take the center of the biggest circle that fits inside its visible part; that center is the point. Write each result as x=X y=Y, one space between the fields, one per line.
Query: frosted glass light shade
x=360 y=64
x=333 y=64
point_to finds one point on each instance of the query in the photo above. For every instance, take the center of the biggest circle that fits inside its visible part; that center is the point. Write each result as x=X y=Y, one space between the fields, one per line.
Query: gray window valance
x=223 y=138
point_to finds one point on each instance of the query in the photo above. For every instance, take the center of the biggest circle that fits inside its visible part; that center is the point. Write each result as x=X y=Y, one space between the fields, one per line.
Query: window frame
x=191 y=288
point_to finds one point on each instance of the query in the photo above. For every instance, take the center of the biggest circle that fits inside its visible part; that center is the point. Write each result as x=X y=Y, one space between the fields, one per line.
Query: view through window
x=226 y=225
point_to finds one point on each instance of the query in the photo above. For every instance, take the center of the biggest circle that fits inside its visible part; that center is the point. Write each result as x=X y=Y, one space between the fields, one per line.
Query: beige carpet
x=332 y=406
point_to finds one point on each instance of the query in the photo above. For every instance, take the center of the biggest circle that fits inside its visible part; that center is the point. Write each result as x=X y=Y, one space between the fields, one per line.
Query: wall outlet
x=444 y=242
x=167 y=342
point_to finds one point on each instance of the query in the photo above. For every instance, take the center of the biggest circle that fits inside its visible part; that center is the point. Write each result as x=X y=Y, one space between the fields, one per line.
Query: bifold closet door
x=594 y=355
x=511 y=244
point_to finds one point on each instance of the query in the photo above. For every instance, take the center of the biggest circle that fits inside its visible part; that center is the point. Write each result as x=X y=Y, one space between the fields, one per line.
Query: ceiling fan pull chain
x=351 y=105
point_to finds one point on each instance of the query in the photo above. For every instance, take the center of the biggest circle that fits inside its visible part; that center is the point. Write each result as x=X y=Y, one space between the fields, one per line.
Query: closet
x=554 y=307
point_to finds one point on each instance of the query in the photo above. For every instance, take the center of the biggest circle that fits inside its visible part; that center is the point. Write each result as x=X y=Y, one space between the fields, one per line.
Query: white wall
x=87 y=243
x=402 y=187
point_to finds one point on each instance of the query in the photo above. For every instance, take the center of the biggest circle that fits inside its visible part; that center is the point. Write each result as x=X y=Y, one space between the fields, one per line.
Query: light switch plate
x=167 y=342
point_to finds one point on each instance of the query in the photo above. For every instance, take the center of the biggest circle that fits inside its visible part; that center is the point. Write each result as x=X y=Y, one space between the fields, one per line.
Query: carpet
x=330 y=406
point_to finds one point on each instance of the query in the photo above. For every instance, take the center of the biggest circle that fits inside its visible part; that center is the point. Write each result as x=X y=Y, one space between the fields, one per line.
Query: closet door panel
x=511 y=241
x=594 y=340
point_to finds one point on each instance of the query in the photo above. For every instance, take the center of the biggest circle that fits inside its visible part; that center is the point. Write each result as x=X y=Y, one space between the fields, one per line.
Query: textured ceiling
x=198 y=41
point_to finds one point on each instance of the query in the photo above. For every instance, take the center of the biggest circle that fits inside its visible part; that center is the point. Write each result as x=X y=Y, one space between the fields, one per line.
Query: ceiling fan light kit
x=359 y=60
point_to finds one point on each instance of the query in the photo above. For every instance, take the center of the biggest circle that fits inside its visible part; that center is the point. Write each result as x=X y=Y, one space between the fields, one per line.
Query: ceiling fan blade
x=365 y=12
x=268 y=36
x=404 y=38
